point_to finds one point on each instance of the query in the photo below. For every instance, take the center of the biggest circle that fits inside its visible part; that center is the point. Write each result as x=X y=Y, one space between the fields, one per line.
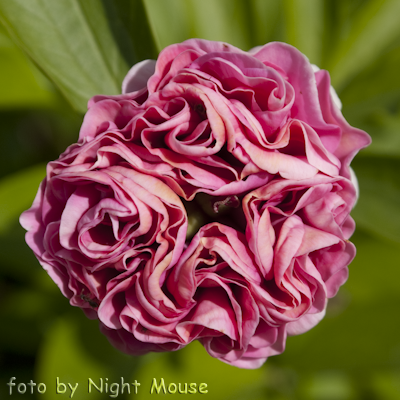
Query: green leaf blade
x=304 y=26
x=373 y=30
x=73 y=42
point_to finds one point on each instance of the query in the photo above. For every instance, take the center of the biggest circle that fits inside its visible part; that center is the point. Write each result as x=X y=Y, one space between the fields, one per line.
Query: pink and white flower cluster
x=256 y=144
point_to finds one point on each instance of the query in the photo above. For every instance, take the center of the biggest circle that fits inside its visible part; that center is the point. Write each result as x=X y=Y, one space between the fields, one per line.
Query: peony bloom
x=298 y=232
x=250 y=150
x=88 y=228
x=218 y=280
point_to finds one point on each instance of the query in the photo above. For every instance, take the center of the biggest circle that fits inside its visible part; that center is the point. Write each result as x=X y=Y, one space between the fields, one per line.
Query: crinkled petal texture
x=217 y=279
x=256 y=135
x=92 y=230
x=298 y=232
x=216 y=119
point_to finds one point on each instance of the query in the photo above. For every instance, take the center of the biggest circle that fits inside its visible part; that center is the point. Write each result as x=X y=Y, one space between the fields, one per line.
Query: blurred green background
x=54 y=55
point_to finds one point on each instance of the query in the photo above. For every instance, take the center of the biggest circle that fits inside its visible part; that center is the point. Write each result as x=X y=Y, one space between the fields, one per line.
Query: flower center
x=201 y=110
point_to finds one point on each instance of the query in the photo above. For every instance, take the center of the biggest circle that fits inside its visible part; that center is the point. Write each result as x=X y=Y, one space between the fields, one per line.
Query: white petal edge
x=304 y=324
x=138 y=76
x=354 y=181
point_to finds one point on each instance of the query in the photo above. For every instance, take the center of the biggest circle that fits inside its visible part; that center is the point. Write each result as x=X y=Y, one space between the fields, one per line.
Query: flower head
x=252 y=150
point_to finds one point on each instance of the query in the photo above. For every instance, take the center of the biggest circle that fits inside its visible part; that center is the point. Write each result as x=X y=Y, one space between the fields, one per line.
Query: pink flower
x=298 y=232
x=91 y=228
x=216 y=119
x=218 y=280
x=253 y=146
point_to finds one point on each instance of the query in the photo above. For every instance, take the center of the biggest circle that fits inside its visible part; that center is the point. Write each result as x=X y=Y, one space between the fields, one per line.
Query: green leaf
x=17 y=192
x=304 y=26
x=131 y=27
x=171 y=21
x=378 y=207
x=178 y=20
x=373 y=29
x=223 y=20
x=264 y=18
x=21 y=84
x=377 y=86
x=77 y=43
